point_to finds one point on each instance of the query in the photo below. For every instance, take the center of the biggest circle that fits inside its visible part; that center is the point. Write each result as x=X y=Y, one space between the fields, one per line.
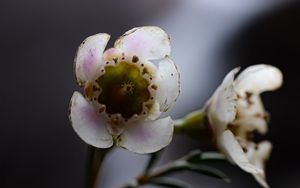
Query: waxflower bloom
x=126 y=88
x=235 y=111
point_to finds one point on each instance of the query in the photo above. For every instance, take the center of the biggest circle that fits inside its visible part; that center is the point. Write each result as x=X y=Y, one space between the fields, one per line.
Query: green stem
x=192 y=120
x=195 y=126
x=94 y=162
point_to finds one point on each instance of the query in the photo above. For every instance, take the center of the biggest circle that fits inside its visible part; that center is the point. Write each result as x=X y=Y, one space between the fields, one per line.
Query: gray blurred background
x=39 y=39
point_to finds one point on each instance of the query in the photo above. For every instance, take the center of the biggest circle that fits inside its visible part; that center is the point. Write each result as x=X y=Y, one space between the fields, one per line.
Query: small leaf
x=170 y=182
x=180 y=166
x=171 y=168
x=209 y=171
x=195 y=154
x=212 y=156
x=199 y=157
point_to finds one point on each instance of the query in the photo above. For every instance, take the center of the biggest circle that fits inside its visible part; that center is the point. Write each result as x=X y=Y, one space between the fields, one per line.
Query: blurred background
x=38 y=41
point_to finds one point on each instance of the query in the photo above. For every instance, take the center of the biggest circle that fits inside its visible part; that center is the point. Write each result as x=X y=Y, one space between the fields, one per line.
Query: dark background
x=38 y=39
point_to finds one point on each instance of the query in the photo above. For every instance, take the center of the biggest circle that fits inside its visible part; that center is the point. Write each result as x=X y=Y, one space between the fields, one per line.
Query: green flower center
x=124 y=90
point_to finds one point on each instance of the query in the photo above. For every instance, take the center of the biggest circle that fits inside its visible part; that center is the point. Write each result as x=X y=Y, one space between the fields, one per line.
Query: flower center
x=123 y=89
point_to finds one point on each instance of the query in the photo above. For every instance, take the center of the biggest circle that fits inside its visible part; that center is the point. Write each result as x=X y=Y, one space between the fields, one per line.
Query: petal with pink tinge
x=88 y=123
x=88 y=59
x=147 y=136
x=146 y=43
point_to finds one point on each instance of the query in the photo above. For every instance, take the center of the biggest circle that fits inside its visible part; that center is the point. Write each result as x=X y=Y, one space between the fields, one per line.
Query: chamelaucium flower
x=235 y=111
x=125 y=90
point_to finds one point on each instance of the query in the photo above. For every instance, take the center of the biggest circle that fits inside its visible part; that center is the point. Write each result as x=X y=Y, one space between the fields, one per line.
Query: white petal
x=233 y=150
x=258 y=78
x=222 y=107
x=261 y=180
x=111 y=53
x=246 y=125
x=89 y=57
x=154 y=112
x=250 y=106
x=261 y=154
x=252 y=116
x=145 y=42
x=168 y=82
x=147 y=136
x=88 y=124
x=258 y=156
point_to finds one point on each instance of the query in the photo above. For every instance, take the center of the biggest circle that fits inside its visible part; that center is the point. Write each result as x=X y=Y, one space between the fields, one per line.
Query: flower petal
x=147 y=136
x=258 y=78
x=111 y=53
x=154 y=112
x=246 y=125
x=88 y=124
x=261 y=180
x=145 y=42
x=251 y=114
x=233 y=150
x=250 y=106
x=257 y=155
x=168 y=82
x=89 y=57
x=222 y=107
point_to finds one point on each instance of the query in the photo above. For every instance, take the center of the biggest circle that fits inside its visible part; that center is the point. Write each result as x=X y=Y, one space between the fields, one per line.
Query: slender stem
x=194 y=125
x=152 y=160
x=94 y=162
x=147 y=176
x=191 y=162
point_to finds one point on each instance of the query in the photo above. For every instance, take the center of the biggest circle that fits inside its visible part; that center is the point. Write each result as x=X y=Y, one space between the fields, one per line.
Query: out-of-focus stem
x=183 y=163
x=94 y=162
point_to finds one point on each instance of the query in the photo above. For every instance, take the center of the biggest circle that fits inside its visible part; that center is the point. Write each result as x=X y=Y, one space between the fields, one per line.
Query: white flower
x=125 y=91
x=235 y=111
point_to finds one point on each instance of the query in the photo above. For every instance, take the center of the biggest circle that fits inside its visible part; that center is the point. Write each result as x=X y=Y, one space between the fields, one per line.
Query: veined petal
x=147 y=136
x=233 y=150
x=88 y=124
x=89 y=57
x=168 y=84
x=222 y=109
x=258 y=78
x=145 y=42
